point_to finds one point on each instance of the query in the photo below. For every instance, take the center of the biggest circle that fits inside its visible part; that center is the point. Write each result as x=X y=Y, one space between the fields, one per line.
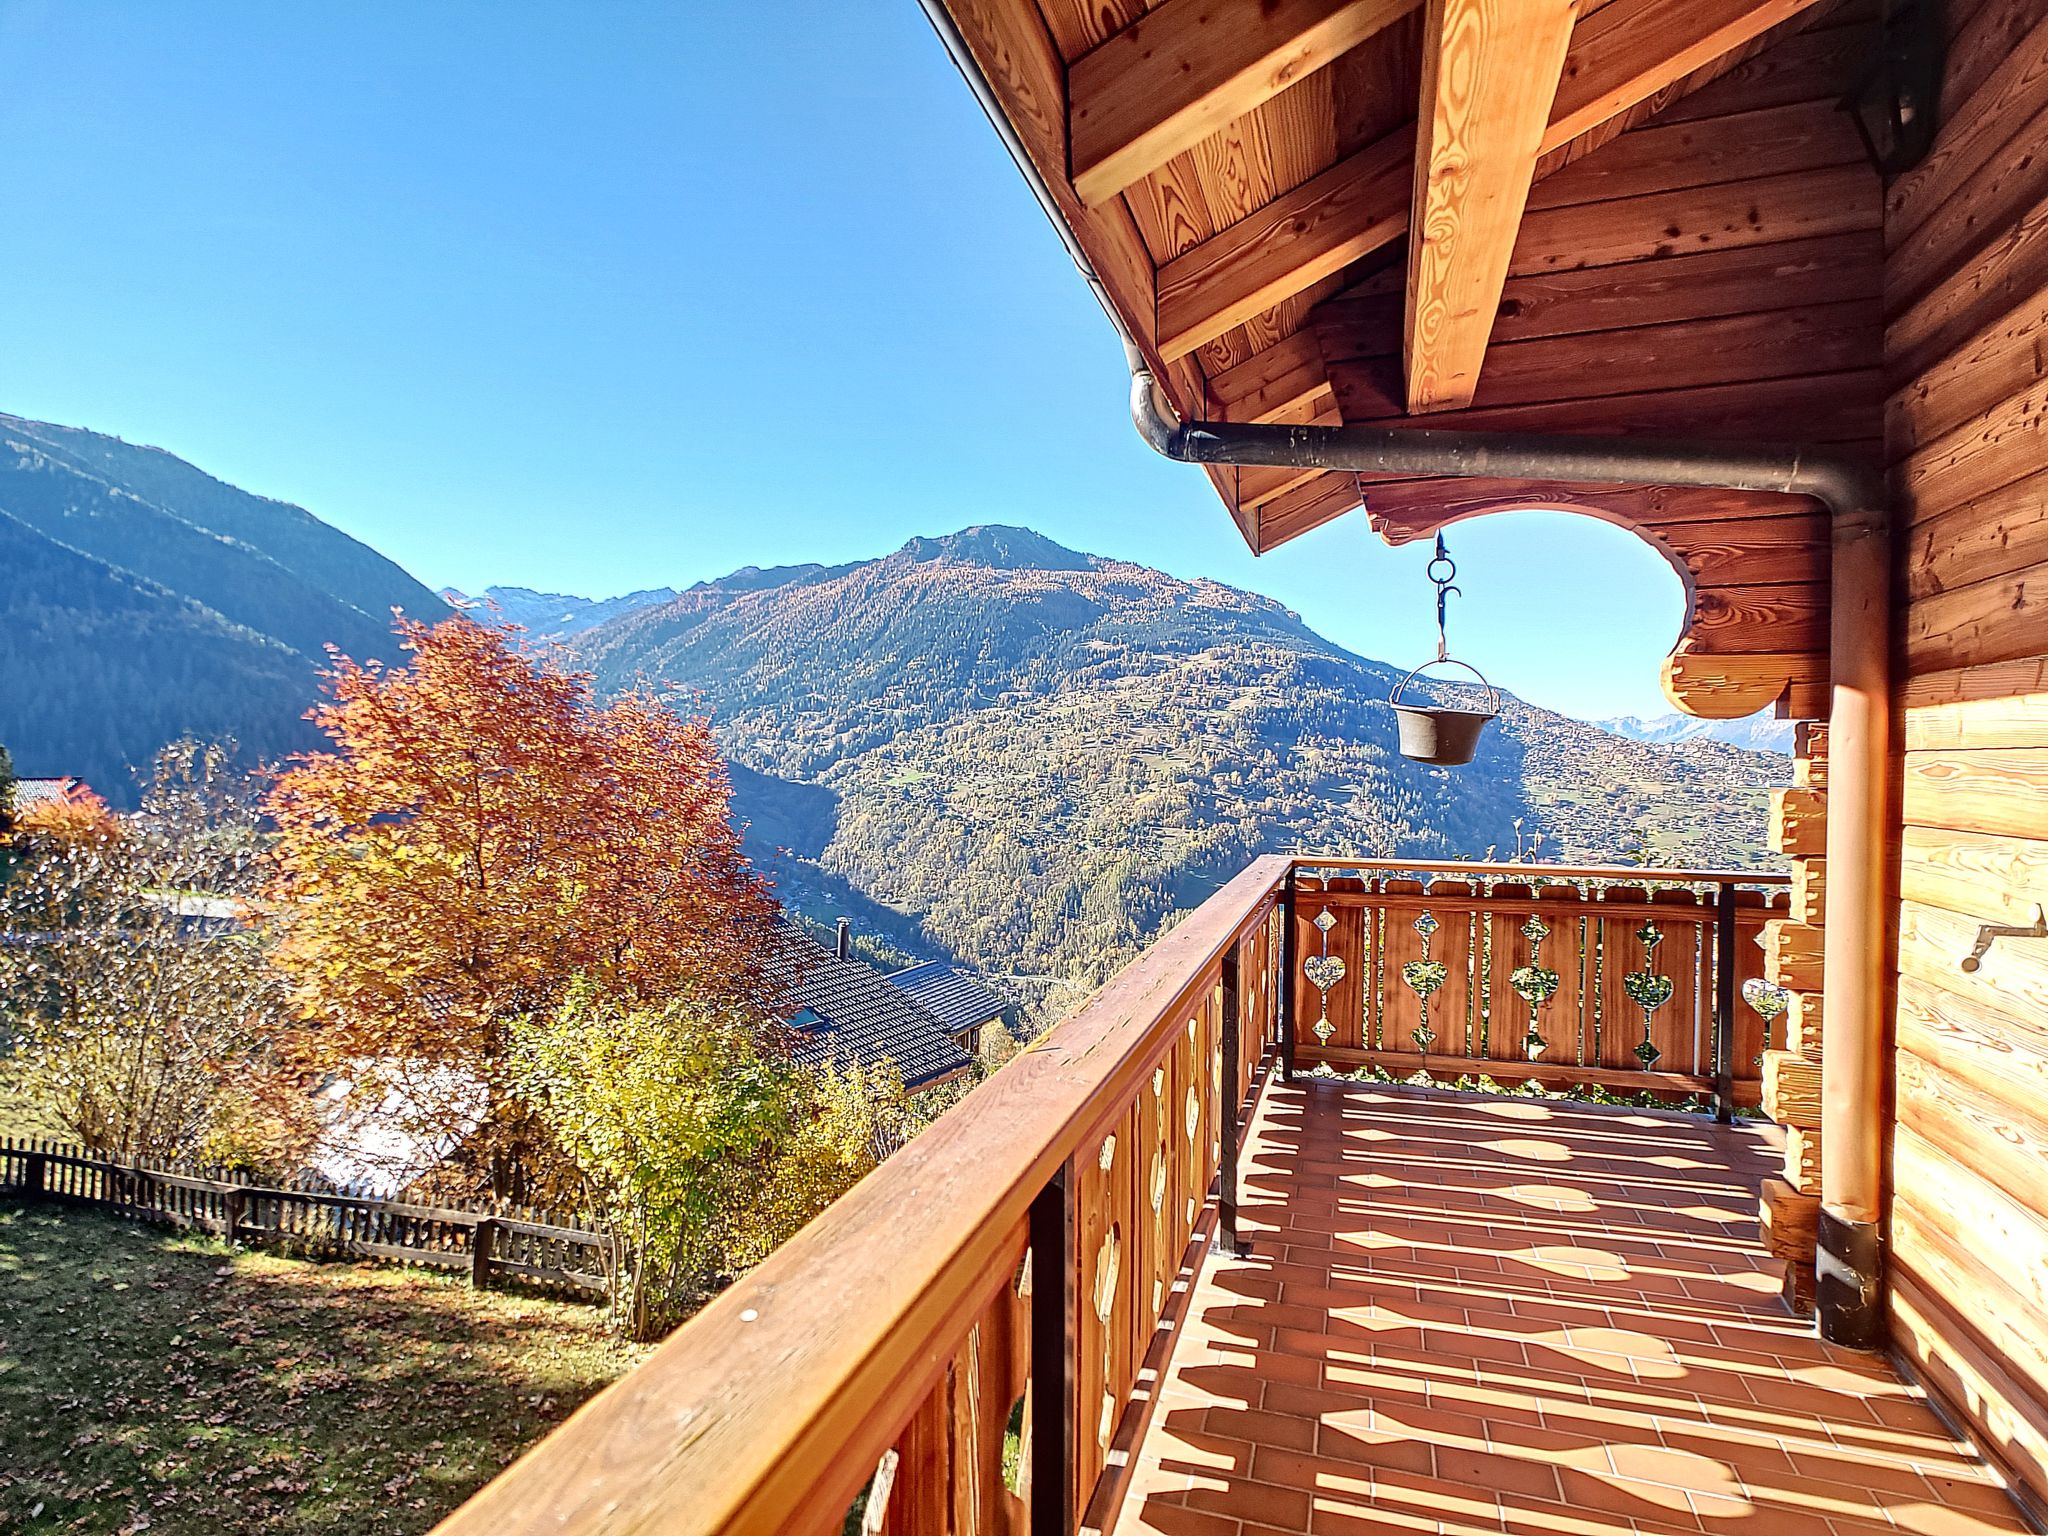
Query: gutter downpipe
x=1850 y=1258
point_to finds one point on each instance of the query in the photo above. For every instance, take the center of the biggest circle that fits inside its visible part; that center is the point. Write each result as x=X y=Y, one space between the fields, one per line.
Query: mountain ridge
x=1043 y=754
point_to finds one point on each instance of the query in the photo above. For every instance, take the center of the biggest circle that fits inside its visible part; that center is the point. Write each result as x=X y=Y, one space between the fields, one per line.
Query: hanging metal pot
x=1430 y=733
x=1433 y=734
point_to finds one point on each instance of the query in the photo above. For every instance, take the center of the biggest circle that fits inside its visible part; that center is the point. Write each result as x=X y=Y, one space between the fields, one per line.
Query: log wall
x=1966 y=302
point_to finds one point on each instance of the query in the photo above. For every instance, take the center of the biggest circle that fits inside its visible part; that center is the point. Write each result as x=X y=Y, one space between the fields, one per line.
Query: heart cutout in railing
x=1769 y=1001
x=1536 y=983
x=1647 y=990
x=1323 y=971
x=1425 y=976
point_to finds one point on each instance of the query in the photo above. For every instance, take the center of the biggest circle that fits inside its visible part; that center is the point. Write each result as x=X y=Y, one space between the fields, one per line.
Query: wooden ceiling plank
x=1295 y=241
x=1186 y=69
x=1489 y=73
x=1622 y=53
x=1630 y=50
x=1272 y=382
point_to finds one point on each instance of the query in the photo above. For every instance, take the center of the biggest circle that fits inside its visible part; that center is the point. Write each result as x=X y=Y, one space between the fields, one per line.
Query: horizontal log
x=2018 y=721
x=1999 y=619
x=1993 y=535
x=1960 y=685
x=2011 y=975
x=1995 y=790
x=1996 y=279
x=1629 y=50
x=1766 y=210
x=1791 y=1092
x=1802 y=1159
x=1731 y=687
x=1995 y=363
x=1998 y=1139
x=1999 y=1049
x=1986 y=877
x=1834 y=408
x=1974 y=1386
x=1792 y=955
x=1789 y=1221
x=1958 y=1201
x=1730 y=620
x=1931 y=1257
x=1992 y=448
x=1803 y=1020
x=1763 y=552
x=1799 y=823
x=1661 y=157
x=1683 y=286
x=2001 y=182
x=1820 y=63
x=1810 y=754
x=1809 y=892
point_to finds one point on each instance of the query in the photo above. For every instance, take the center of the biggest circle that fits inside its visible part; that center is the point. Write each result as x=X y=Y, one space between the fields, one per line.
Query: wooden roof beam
x=1489 y=73
x=1184 y=70
x=1623 y=53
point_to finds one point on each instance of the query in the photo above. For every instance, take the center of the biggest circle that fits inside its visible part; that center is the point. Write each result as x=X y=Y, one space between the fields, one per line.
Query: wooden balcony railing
x=1569 y=976
x=971 y=1335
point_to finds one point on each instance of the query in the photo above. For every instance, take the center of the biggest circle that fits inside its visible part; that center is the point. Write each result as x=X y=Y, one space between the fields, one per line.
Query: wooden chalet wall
x=1966 y=299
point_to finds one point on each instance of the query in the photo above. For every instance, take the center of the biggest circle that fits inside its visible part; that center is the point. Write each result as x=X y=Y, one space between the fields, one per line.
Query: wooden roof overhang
x=1642 y=217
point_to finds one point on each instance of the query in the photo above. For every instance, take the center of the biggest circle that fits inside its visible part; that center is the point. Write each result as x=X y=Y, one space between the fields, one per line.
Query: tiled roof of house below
x=844 y=1009
x=29 y=792
x=958 y=1002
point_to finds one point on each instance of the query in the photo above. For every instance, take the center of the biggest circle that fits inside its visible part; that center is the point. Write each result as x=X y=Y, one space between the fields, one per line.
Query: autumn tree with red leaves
x=481 y=834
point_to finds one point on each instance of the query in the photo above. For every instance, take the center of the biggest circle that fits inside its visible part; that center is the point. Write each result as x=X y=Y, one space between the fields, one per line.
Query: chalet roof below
x=958 y=1002
x=48 y=791
x=847 y=1011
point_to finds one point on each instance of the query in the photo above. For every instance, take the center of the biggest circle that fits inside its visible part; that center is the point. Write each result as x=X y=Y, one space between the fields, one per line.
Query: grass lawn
x=152 y=1381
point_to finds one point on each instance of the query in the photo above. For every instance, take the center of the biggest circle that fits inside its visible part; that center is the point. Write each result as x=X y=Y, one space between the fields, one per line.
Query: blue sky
x=599 y=297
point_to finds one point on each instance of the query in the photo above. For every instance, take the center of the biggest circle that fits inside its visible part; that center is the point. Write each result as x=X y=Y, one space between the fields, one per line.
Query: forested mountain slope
x=1042 y=754
x=142 y=599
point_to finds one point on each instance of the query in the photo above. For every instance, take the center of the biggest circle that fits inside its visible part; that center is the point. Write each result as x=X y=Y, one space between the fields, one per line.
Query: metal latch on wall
x=1989 y=934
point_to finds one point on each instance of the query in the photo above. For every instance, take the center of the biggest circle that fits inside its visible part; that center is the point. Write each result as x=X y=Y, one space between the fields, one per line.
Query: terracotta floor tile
x=1469 y=1317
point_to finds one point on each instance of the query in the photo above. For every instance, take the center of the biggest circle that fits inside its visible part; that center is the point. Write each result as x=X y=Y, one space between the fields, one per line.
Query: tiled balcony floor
x=1465 y=1315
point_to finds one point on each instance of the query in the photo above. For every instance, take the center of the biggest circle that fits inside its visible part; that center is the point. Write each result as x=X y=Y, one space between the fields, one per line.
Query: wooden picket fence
x=491 y=1242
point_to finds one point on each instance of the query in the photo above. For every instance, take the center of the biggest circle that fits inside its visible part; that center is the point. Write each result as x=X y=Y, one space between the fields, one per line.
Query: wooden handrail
x=768 y=1412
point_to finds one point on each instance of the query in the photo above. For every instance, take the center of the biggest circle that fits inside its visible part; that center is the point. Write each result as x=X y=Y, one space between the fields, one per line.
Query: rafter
x=1623 y=53
x=1185 y=69
x=1489 y=72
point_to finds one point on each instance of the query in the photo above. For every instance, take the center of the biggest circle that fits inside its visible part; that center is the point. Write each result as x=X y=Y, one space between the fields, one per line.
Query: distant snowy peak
x=552 y=615
x=1758 y=732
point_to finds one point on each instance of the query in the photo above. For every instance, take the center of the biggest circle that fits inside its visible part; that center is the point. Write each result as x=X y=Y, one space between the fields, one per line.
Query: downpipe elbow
x=1150 y=414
